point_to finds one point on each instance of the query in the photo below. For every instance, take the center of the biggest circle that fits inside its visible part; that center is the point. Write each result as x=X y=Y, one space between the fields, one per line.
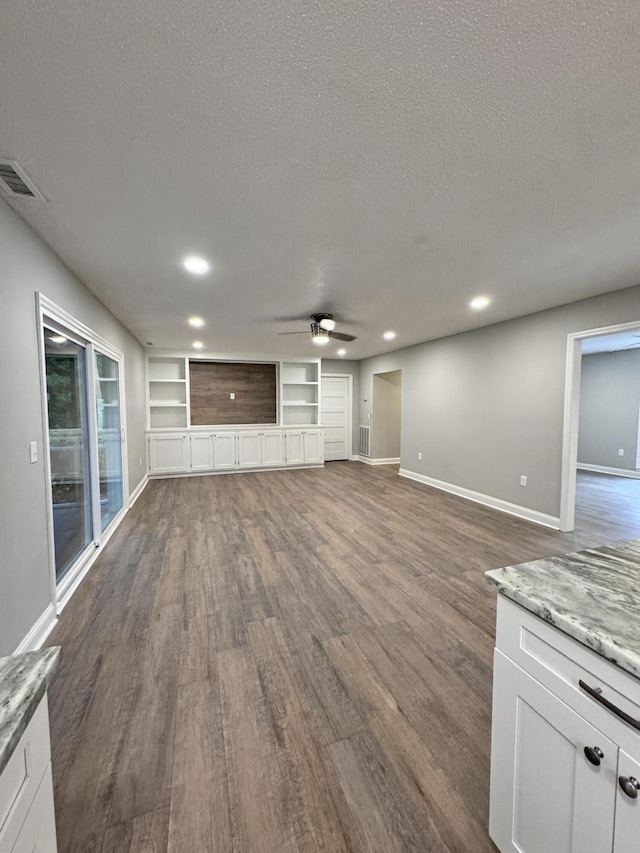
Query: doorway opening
x=387 y=418
x=593 y=438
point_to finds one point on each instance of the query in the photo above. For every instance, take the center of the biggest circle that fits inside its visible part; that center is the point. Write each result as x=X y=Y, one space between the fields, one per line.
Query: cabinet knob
x=594 y=754
x=630 y=786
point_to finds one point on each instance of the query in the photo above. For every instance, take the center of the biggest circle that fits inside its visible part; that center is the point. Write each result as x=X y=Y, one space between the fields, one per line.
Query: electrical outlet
x=621 y=451
x=232 y=396
x=420 y=456
x=523 y=479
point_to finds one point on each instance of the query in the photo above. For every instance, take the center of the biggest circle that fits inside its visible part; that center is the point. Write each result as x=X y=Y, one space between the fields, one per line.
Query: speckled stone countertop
x=23 y=681
x=594 y=596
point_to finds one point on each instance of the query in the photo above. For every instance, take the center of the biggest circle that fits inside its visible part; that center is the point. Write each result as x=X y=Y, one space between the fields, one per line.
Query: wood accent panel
x=292 y=661
x=211 y=383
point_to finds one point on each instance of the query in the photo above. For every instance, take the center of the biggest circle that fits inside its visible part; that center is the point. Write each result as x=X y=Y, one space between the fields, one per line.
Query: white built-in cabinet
x=233 y=450
x=169 y=453
x=564 y=767
x=174 y=447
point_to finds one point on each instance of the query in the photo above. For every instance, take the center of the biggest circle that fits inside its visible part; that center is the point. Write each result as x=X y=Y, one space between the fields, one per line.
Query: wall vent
x=363 y=441
x=14 y=181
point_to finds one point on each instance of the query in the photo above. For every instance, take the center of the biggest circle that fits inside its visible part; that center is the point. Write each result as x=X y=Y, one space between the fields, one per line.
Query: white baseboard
x=368 y=461
x=615 y=472
x=39 y=632
x=139 y=489
x=477 y=497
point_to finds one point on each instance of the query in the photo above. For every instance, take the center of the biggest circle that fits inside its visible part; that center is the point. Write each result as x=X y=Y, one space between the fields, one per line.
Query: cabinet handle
x=596 y=693
x=630 y=786
x=594 y=754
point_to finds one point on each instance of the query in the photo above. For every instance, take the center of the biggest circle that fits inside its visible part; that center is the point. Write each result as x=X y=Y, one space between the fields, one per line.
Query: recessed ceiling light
x=196 y=265
x=480 y=302
x=196 y=322
x=57 y=339
x=198 y=345
x=389 y=336
x=342 y=352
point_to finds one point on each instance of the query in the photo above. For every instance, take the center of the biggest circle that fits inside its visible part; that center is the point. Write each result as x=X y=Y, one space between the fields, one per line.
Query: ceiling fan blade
x=293 y=333
x=340 y=336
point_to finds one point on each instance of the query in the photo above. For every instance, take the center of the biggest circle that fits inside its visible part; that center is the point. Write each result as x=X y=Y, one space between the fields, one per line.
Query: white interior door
x=336 y=417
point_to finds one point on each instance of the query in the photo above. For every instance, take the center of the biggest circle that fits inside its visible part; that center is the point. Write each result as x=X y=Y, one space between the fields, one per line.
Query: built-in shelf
x=168 y=392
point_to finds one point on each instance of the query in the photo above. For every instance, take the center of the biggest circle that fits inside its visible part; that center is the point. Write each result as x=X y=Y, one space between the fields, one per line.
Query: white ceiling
x=384 y=161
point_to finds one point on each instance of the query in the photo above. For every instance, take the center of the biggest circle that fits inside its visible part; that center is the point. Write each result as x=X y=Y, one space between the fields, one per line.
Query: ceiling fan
x=322 y=330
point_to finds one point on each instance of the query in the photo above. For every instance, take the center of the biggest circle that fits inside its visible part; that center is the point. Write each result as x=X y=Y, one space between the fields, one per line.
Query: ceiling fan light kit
x=322 y=330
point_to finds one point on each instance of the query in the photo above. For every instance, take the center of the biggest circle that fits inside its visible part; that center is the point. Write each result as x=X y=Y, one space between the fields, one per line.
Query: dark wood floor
x=292 y=661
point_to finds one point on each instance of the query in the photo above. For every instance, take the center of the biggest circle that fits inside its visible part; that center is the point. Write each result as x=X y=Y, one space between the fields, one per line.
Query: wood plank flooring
x=292 y=661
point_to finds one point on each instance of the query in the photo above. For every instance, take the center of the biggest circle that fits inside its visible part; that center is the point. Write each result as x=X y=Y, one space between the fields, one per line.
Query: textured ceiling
x=384 y=161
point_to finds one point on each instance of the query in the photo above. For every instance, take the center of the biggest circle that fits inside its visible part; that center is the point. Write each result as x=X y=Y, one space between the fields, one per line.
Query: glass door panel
x=66 y=378
x=109 y=437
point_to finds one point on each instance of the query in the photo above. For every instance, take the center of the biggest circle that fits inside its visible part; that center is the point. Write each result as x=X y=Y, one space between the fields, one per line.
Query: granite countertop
x=23 y=682
x=593 y=596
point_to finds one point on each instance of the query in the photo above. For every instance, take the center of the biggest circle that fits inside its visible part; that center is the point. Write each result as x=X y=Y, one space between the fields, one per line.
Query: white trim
x=349 y=429
x=571 y=417
x=615 y=472
x=261 y=470
x=369 y=461
x=139 y=489
x=487 y=500
x=355 y=457
x=39 y=631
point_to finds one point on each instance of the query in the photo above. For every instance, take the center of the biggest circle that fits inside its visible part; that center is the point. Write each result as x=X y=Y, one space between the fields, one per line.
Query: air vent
x=14 y=181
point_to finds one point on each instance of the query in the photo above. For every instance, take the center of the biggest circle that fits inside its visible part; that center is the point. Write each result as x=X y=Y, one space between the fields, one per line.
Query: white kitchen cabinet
x=627 y=821
x=201 y=452
x=272 y=450
x=546 y=795
x=27 y=820
x=313 y=447
x=249 y=450
x=224 y=451
x=168 y=453
x=563 y=765
x=294 y=447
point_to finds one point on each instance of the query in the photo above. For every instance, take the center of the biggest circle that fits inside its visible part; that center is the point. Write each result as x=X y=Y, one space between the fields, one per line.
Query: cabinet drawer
x=38 y=833
x=22 y=776
x=560 y=663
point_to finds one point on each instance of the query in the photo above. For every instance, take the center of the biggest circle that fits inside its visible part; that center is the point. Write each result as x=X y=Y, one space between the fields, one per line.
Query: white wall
x=609 y=403
x=486 y=406
x=27 y=265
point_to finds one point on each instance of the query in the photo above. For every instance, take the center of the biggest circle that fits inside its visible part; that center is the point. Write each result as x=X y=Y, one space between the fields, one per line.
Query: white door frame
x=573 y=372
x=349 y=378
x=50 y=314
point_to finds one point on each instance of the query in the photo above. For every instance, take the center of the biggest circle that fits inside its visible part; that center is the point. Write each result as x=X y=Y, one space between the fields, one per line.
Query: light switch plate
x=33 y=451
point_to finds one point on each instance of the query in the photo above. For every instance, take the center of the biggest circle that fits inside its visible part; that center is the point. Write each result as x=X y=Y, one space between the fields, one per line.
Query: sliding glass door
x=83 y=383
x=109 y=427
x=66 y=379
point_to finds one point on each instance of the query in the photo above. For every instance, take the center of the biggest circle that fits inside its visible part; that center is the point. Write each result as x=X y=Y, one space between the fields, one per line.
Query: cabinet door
x=38 y=833
x=545 y=795
x=249 y=450
x=168 y=454
x=313 y=448
x=272 y=449
x=627 y=831
x=202 y=453
x=224 y=451
x=294 y=443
